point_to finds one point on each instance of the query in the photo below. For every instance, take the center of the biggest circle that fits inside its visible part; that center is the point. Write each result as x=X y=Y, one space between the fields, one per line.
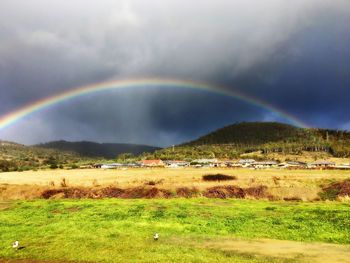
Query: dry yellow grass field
x=303 y=184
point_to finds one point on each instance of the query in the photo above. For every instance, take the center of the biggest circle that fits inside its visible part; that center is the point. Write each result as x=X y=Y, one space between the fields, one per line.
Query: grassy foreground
x=114 y=230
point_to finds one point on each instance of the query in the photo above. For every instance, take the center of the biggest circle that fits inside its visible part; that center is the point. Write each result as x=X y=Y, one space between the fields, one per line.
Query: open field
x=190 y=230
x=299 y=184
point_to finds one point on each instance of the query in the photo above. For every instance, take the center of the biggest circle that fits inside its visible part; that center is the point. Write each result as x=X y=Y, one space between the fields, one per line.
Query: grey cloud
x=52 y=46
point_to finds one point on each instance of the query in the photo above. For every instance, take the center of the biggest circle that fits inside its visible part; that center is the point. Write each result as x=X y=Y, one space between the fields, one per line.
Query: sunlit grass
x=113 y=230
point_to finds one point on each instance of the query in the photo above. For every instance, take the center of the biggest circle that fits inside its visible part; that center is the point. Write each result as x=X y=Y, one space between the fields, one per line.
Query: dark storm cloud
x=293 y=55
x=313 y=79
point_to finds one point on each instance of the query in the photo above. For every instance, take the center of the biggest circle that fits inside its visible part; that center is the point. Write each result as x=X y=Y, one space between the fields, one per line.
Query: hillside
x=266 y=137
x=95 y=150
x=14 y=156
x=251 y=133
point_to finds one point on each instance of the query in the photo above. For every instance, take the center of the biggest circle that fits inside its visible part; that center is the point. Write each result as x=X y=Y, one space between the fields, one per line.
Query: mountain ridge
x=244 y=137
x=96 y=150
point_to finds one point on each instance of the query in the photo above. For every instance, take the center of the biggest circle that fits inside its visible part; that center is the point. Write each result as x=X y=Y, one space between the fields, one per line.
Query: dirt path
x=302 y=251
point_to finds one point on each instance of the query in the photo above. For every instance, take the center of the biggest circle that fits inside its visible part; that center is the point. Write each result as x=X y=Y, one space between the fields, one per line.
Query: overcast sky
x=294 y=55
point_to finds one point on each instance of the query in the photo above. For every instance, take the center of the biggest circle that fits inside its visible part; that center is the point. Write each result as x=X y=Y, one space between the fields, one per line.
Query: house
x=177 y=163
x=131 y=165
x=225 y=163
x=111 y=165
x=151 y=163
x=264 y=164
x=228 y=164
x=283 y=165
x=246 y=161
x=296 y=164
x=322 y=164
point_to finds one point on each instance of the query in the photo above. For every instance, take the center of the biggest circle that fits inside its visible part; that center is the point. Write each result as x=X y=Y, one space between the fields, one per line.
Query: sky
x=293 y=55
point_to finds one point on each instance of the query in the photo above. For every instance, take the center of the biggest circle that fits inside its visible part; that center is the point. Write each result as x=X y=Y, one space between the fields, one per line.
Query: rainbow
x=39 y=105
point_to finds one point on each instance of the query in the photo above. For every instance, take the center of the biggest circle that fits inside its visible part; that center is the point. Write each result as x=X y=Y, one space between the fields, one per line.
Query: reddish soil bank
x=232 y=191
x=341 y=188
x=332 y=191
x=227 y=191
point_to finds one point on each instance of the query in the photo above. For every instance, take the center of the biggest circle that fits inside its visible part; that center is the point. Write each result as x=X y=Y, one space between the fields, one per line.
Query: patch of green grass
x=114 y=230
x=329 y=194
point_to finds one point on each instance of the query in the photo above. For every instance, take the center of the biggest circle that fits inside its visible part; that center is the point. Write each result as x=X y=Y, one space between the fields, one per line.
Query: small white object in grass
x=15 y=244
x=156 y=236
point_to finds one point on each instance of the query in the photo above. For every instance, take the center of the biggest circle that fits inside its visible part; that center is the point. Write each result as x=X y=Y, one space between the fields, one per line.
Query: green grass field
x=114 y=230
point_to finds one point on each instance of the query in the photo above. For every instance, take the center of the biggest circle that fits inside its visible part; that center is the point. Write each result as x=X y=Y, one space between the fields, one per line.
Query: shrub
x=218 y=177
x=53 y=166
x=64 y=182
x=152 y=182
x=329 y=194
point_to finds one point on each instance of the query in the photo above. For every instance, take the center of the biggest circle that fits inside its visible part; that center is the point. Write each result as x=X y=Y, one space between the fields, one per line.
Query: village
x=217 y=163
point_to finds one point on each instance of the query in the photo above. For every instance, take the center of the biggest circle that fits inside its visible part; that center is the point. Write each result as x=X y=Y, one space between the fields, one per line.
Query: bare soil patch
x=302 y=251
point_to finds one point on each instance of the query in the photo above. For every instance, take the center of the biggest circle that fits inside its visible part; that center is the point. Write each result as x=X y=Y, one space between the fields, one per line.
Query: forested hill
x=94 y=150
x=239 y=138
x=18 y=157
x=252 y=133
x=14 y=156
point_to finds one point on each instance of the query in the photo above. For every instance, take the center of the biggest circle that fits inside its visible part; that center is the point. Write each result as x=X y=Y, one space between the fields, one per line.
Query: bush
x=7 y=166
x=64 y=182
x=53 y=166
x=329 y=194
x=218 y=177
x=25 y=168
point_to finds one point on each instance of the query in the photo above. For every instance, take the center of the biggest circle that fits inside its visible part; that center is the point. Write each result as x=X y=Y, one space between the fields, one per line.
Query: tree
x=125 y=156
